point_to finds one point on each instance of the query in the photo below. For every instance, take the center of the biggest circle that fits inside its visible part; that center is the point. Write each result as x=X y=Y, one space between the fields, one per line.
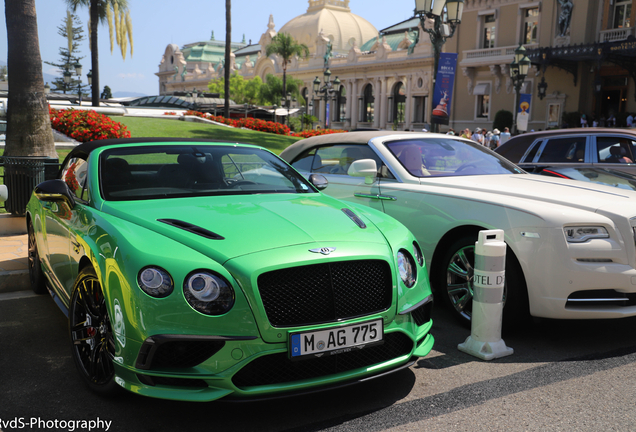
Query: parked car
x=571 y=249
x=605 y=148
x=196 y=270
x=590 y=174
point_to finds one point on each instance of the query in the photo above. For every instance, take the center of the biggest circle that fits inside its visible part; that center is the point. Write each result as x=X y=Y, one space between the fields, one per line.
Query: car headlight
x=155 y=282
x=580 y=234
x=406 y=267
x=208 y=293
x=418 y=254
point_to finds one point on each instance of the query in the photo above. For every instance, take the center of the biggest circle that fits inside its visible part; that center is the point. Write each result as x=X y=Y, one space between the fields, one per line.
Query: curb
x=16 y=280
x=12 y=225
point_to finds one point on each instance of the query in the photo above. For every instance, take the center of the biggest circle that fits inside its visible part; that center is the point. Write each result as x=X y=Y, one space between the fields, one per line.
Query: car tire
x=454 y=283
x=91 y=336
x=36 y=275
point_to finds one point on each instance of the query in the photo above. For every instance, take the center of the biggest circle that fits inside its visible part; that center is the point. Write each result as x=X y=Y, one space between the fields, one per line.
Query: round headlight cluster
x=155 y=282
x=208 y=293
x=418 y=254
x=406 y=266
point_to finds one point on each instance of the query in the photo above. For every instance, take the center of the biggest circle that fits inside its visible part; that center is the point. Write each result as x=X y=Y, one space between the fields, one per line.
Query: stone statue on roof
x=328 y=54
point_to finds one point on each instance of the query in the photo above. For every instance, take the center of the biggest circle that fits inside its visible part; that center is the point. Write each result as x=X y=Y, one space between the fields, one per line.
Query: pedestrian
x=477 y=137
x=594 y=121
x=487 y=136
x=504 y=136
x=611 y=121
x=494 y=141
x=466 y=133
x=583 y=121
x=630 y=120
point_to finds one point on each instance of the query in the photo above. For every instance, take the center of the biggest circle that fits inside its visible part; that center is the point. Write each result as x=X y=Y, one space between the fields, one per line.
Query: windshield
x=152 y=172
x=433 y=157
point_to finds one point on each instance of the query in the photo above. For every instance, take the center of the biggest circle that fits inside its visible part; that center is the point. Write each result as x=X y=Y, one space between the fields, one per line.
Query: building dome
x=337 y=23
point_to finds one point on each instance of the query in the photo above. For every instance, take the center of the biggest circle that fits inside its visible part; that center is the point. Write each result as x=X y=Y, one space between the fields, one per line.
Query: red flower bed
x=86 y=126
x=248 y=123
x=312 y=133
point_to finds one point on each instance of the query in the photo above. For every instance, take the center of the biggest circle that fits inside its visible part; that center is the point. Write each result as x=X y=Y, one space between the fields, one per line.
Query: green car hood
x=249 y=223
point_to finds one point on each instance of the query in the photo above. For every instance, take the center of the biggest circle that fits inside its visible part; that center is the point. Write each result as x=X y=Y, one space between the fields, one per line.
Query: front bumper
x=263 y=370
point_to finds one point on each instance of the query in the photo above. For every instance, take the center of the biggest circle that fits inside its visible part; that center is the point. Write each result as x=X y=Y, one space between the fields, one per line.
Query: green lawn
x=150 y=127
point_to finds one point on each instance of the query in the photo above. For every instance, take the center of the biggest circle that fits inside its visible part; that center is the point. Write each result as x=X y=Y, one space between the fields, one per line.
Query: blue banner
x=523 y=111
x=443 y=93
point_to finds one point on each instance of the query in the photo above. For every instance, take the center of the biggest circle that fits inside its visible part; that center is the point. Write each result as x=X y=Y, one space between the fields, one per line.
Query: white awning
x=284 y=111
x=482 y=89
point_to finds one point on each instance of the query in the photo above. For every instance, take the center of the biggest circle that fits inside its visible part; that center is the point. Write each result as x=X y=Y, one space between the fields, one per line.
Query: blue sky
x=157 y=23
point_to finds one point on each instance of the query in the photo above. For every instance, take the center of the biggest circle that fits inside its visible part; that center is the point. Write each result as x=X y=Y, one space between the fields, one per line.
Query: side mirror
x=366 y=168
x=319 y=181
x=54 y=190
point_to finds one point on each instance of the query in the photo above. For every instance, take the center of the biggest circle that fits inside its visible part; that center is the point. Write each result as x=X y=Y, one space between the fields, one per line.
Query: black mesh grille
x=422 y=314
x=183 y=354
x=278 y=368
x=321 y=293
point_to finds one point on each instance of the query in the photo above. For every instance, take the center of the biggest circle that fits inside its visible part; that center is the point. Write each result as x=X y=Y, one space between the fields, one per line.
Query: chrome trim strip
x=621 y=299
x=378 y=196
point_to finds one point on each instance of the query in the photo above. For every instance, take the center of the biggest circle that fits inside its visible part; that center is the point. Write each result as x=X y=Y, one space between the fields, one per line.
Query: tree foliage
x=106 y=94
x=272 y=90
x=117 y=16
x=71 y=30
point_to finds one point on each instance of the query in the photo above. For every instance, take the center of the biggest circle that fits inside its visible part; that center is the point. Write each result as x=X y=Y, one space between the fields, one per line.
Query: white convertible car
x=571 y=245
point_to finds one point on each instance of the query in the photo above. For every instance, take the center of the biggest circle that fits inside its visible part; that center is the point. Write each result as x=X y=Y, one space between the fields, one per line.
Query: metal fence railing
x=21 y=175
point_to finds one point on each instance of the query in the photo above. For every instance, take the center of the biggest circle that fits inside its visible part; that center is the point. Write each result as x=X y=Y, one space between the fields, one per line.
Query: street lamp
x=543 y=87
x=444 y=25
x=331 y=89
x=78 y=72
x=275 y=107
x=245 y=105
x=518 y=72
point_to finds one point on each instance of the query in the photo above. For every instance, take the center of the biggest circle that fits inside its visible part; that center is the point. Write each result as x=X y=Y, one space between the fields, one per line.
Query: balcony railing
x=486 y=56
x=617 y=34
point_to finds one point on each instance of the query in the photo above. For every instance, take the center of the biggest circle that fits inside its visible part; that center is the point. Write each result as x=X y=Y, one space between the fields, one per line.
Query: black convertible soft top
x=85 y=149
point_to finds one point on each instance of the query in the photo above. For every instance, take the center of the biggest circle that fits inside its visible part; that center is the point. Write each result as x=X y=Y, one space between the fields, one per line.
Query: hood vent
x=192 y=228
x=354 y=218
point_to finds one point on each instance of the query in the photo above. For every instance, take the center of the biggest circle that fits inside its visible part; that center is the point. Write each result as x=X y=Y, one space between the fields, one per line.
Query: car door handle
x=377 y=196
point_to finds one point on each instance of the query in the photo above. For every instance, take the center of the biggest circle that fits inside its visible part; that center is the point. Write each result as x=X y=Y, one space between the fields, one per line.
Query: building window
x=530 y=25
x=488 y=32
x=399 y=102
x=419 y=109
x=342 y=104
x=622 y=13
x=368 y=104
x=482 y=93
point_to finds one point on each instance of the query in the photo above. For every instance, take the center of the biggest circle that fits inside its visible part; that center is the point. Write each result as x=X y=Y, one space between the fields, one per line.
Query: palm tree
x=100 y=11
x=286 y=47
x=228 y=47
x=28 y=122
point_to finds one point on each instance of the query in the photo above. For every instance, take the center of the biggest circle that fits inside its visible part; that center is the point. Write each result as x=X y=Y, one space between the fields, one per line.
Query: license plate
x=336 y=340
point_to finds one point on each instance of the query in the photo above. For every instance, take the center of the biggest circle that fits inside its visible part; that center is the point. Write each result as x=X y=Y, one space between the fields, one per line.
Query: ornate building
x=584 y=50
x=380 y=71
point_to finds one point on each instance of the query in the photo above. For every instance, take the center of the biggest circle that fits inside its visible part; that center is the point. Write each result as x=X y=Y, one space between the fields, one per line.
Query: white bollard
x=485 y=340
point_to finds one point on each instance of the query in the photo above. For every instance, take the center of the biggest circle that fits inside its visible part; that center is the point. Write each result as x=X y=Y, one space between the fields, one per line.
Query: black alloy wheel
x=92 y=341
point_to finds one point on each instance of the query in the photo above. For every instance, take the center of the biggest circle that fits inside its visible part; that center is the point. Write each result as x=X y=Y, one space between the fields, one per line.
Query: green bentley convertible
x=198 y=270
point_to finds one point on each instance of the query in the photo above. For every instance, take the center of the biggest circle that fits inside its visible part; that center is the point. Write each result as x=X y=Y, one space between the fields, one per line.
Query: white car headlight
x=155 y=282
x=406 y=267
x=208 y=293
x=580 y=234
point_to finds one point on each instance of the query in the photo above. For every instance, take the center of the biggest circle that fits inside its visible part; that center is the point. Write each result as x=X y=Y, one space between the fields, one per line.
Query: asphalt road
x=563 y=376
